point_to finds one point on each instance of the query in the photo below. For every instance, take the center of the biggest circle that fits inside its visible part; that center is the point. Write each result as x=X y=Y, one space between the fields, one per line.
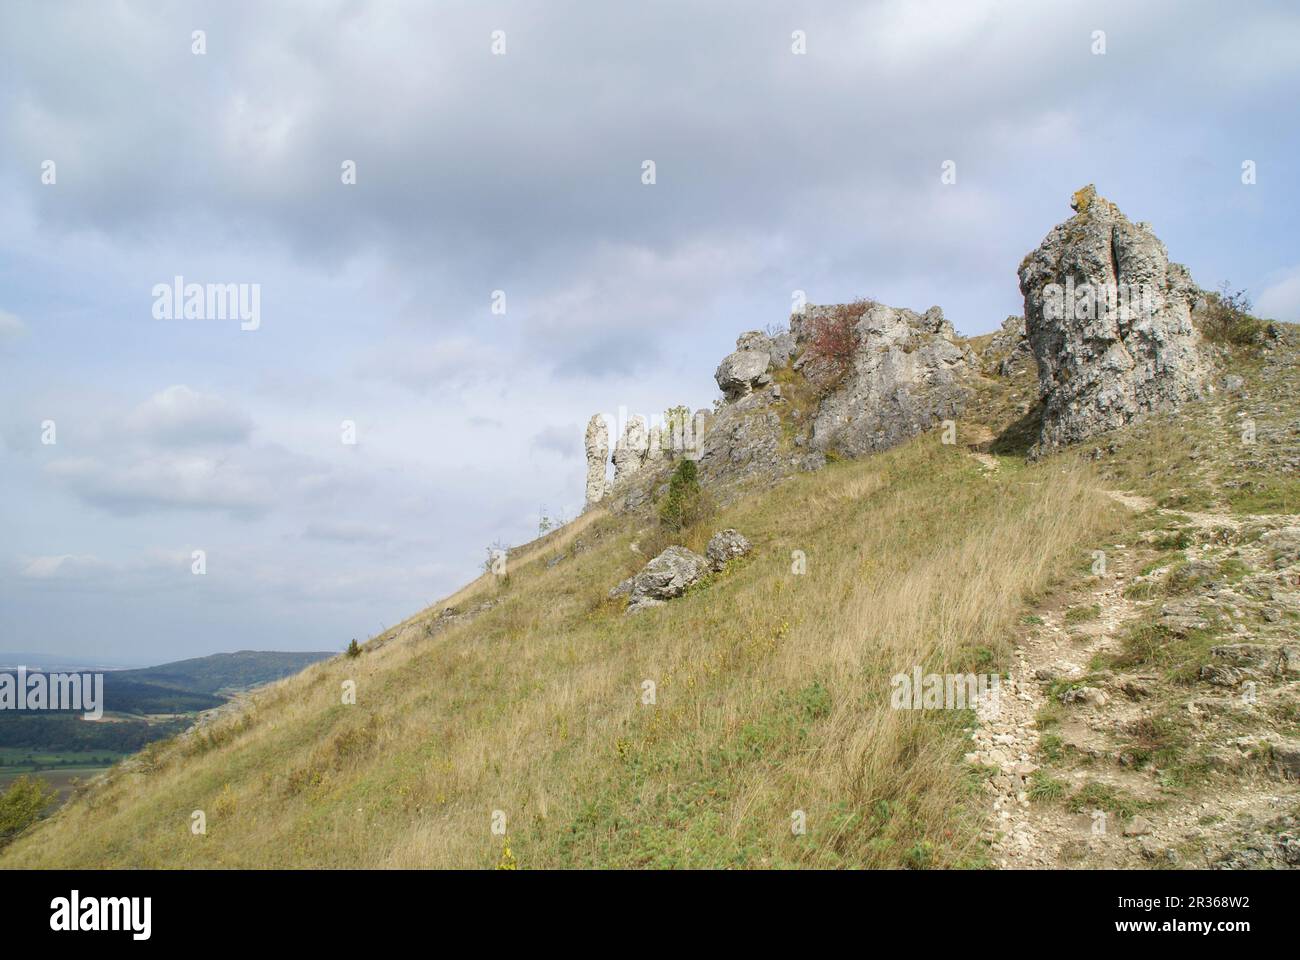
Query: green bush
x=21 y=805
x=683 y=504
x=354 y=650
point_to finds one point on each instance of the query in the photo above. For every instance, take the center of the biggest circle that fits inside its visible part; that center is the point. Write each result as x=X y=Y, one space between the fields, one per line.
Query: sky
x=499 y=270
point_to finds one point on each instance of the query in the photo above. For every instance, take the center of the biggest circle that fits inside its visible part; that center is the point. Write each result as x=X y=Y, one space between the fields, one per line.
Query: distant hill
x=223 y=673
x=185 y=686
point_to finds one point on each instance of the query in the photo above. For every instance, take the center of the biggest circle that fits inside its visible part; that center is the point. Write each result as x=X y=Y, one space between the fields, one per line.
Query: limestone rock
x=597 y=447
x=1109 y=320
x=726 y=545
x=630 y=451
x=1008 y=351
x=740 y=372
x=744 y=440
x=1137 y=827
x=906 y=376
x=1092 y=696
x=663 y=578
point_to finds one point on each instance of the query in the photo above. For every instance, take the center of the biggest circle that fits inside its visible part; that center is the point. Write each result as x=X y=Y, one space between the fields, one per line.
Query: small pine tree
x=354 y=649
x=681 y=505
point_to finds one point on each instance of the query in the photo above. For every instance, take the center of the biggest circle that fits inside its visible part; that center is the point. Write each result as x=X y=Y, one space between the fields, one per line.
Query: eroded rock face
x=630 y=451
x=597 y=448
x=1109 y=320
x=665 y=577
x=907 y=375
x=1008 y=351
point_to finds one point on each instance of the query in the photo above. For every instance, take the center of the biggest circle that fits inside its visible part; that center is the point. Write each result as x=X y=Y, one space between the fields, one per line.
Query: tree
x=22 y=805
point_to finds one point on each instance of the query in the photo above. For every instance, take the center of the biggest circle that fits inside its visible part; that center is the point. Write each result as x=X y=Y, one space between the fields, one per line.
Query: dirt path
x=1067 y=786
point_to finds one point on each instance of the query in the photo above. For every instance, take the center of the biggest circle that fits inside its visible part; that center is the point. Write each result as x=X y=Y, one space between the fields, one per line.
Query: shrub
x=21 y=805
x=833 y=338
x=354 y=649
x=683 y=504
x=1227 y=318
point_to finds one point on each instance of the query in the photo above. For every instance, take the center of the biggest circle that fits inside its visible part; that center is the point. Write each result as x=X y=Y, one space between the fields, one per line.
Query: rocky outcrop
x=630 y=451
x=725 y=546
x=906 y=375
x=745 y=370
x=1109 y=320
x=597 y=448
x=1008 y=351
x=662 y=579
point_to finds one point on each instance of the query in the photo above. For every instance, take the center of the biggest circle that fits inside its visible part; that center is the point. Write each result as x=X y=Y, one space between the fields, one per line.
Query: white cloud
x=179 y=416
x=11 y=328
x=1280 y=300
x=65 y=566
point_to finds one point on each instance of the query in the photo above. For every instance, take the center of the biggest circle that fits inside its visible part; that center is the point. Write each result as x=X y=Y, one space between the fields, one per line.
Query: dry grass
x=772 y=696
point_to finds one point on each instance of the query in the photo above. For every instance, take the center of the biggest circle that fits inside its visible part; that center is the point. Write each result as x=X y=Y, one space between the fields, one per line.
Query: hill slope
x=520 y=701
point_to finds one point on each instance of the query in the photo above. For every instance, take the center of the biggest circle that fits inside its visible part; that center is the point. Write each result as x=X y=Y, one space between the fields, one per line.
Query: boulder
x=740 y=372
x=726 y=545
x=665 y=577
x=1109 y=320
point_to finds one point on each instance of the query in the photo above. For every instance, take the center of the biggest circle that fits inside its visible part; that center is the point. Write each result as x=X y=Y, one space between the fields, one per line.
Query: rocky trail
x=1071 y=782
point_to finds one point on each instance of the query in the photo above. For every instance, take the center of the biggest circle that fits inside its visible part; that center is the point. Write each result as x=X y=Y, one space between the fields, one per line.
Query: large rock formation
x=597 y=447
x=1109 y=320
x=630 y=451
x=906 y=375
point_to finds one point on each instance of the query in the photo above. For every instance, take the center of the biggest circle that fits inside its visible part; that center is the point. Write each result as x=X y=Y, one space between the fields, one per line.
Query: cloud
x=65 y=566
x=11 y=328
x=351 y=533
x=522 y=173
x=1280 y=300
x=564 y=442
x=179 y=416
x=190 y=482
x=448 y=364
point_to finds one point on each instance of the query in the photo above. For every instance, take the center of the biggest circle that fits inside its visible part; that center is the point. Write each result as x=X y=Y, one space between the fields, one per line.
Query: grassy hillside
x=772 y=696
x=521 y=697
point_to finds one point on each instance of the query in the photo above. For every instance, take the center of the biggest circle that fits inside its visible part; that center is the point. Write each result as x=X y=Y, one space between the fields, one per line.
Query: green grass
x=772 y=697
x=1083 y=614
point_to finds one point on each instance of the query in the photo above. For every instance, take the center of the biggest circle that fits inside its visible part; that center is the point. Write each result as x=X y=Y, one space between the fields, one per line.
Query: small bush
x=22 y=805
x=354 y=649
x=832 y=340
x=1227 y=318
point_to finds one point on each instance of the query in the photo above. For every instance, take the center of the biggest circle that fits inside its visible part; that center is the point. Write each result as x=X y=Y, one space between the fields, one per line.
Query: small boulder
x=665 y=577
x=1092 y=696
x=726 y=545
x=1137 y=827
